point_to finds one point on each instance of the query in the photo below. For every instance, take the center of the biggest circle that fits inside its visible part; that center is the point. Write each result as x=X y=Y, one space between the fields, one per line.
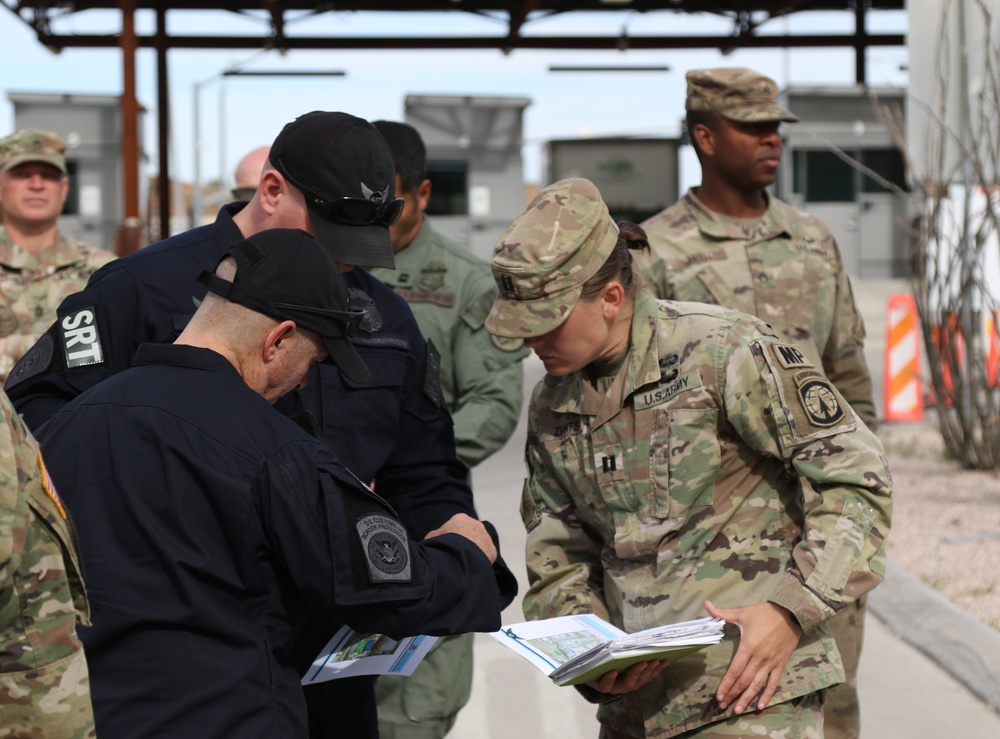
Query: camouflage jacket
x=716 y=463
x=451 y=292
x=784 y=267
x=44 y=684
x=33 y=286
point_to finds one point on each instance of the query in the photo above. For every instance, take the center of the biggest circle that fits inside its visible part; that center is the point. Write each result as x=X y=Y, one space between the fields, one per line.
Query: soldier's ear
x=613 y=296
x=704 y=138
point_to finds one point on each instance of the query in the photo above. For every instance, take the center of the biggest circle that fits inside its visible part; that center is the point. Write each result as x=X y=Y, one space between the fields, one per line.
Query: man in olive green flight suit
x=450 y=292
x=732 y=243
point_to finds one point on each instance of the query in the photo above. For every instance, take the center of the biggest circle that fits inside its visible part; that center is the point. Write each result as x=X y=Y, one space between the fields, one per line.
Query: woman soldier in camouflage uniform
x=683 y=459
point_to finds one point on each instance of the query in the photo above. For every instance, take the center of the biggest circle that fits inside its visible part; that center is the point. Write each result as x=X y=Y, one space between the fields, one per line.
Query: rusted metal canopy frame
x=743 y=36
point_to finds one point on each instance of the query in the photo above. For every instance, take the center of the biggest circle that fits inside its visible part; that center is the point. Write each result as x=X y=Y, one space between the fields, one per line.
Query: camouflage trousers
x=800 y=718
x=842 y=717
x=425 y=705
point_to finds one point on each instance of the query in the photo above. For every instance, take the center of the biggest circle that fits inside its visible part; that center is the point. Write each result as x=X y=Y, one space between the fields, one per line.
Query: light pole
x=196 y=194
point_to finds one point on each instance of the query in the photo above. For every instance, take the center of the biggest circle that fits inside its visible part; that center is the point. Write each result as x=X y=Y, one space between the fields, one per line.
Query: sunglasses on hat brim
x=352 y=211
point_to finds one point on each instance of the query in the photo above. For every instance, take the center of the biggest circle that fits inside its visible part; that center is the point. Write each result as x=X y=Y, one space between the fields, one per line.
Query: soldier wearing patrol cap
x=732 y=243
x=450 y=291
x=682 y=458
x=38 y=265
x=44 y=682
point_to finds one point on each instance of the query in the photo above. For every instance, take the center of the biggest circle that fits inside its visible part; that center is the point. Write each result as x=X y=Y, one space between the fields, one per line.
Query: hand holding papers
x=577 y=649
x=350 y=653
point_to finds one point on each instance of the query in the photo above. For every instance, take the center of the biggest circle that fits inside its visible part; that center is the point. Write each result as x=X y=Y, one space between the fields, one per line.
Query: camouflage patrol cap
x=32 y=145
x=545 y=256
x=736 y=93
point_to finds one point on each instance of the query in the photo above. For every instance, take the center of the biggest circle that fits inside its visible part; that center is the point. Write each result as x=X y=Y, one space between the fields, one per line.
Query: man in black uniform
x=331 y=174
x=209 y=523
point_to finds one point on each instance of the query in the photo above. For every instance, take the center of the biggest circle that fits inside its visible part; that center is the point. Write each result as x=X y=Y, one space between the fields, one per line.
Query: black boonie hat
x=332 y=156
x=285 y=274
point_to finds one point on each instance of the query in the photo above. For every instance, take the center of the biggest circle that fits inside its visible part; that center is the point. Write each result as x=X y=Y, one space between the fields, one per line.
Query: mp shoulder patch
x=790 y=356
x=386 y=547
x=81 y=339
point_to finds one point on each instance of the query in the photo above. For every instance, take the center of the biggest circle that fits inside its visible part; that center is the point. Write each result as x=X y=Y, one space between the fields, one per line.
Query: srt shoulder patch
x=386 y=547
x=35 y=362
x=81 y=339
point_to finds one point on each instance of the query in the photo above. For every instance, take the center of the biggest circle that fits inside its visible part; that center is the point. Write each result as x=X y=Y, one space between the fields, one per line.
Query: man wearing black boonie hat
x=210 y=525
x=331 y=174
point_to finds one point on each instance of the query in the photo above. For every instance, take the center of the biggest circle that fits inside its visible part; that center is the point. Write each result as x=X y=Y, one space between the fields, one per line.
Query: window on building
x=449 y=188
x=887 y=162
x=828 y=178
x=72 y=205
x=823 y=177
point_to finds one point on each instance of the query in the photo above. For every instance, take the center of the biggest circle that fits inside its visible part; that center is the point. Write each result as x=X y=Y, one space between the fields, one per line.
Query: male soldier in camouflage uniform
x=38 y=265
x=44 y=684
x=450 y=292
x=700 y=463
x=732 y=243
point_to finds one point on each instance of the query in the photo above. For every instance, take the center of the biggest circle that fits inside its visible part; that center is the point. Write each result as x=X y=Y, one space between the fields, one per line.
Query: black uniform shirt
x=393 y=430
x=209 y=523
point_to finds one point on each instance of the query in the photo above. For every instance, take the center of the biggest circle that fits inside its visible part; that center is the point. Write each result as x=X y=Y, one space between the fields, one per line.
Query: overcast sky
x=564 y=105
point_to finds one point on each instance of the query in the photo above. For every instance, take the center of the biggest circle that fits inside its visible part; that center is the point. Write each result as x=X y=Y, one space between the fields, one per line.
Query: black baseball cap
x=284 y=273
x=345 y=170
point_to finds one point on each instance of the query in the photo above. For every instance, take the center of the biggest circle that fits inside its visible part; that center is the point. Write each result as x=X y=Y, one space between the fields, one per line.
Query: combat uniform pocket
x=693 y=458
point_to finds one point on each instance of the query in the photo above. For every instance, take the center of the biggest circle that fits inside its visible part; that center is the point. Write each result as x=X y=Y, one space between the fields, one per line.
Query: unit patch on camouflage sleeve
x=820 y=401
x=812 y=405
x=386 y=548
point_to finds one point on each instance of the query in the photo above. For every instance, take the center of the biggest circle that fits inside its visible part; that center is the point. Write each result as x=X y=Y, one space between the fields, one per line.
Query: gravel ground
x=946 y=520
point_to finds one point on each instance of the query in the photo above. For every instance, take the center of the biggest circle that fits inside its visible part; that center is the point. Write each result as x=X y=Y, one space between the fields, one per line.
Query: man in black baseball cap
x=284 y=274
x=214 y=531
x=344 y=169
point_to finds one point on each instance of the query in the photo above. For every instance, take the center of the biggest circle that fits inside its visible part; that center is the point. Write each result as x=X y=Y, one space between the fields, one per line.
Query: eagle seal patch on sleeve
x=386 y=547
